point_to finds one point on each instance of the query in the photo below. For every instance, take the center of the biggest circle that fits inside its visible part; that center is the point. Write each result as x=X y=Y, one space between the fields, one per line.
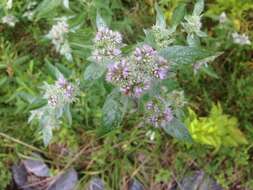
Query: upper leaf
x=185 y=54
x=199 y=7
x=160 y=20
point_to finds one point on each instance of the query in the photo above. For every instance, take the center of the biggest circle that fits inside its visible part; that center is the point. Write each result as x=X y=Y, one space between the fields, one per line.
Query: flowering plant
x=140 y=76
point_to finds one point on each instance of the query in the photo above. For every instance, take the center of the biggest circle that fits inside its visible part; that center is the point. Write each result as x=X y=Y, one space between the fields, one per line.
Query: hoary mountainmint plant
x=142 y=75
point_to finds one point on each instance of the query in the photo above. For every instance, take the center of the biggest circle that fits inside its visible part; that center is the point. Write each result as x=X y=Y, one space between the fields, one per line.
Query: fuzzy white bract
x=193 y=25
x=58 y=36
x=10 y=20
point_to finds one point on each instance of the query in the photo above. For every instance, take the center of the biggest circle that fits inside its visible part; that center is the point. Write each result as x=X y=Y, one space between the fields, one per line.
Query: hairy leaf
x=178 y=130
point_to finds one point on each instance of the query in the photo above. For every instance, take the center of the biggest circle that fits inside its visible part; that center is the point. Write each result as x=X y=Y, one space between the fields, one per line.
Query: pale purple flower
x=149 y=105
x=168 y=115
x=61 y=82
x=117 y=71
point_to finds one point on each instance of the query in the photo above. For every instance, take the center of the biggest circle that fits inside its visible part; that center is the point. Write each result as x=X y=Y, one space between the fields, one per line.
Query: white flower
x=9 y=20
x=9 y=4
x=241 y=39
x=223 y=18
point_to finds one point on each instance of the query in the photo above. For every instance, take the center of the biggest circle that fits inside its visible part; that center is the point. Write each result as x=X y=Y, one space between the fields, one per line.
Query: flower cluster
x=9 y=20
x=59 y=96
x=162 y=36
x=60 y=93
x=241 y=39
x=107 y=44
x=135 y=74
x=159 y=113
x=193 y=25
x=58 y=35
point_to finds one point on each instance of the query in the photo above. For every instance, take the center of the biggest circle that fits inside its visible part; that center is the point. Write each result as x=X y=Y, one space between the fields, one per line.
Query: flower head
x=159 y=114
x=107 y=44
x=9 y=20
x=193 y=25
x=223 y=18
x=136 y=74
x=241 y=39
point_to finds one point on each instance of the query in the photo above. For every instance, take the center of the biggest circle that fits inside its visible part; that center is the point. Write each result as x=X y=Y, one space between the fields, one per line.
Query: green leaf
x=52 y=70
x=100 y=21
x=3 y=81
x=21 y=60
x=185 y=54
x=68 y=114
x=198 y=8
x=209 y=71
x=94 y=71
x=47 y=135
x=112 y=113
x=46 y=6
x=178 y=14
x=160 y=20
x=64 y=70
x=178 y=130
x=193 y=40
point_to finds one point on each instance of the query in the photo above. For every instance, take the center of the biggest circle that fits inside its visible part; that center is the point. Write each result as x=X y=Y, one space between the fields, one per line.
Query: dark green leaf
x=178 y=14
x=112 y=113
x=178 y=130
x=46 y=6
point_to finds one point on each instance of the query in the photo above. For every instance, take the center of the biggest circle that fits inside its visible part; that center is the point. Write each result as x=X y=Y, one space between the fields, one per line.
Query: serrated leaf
x=198 y=8
x=160 y=20
x=178 y=130
x=94 y=71
x=100 y=21
x=112 y=113
x=185 y=54
x=178 y=14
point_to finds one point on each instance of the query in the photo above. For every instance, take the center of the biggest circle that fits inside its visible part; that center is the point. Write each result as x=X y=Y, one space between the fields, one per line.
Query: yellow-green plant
x=217 y=129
